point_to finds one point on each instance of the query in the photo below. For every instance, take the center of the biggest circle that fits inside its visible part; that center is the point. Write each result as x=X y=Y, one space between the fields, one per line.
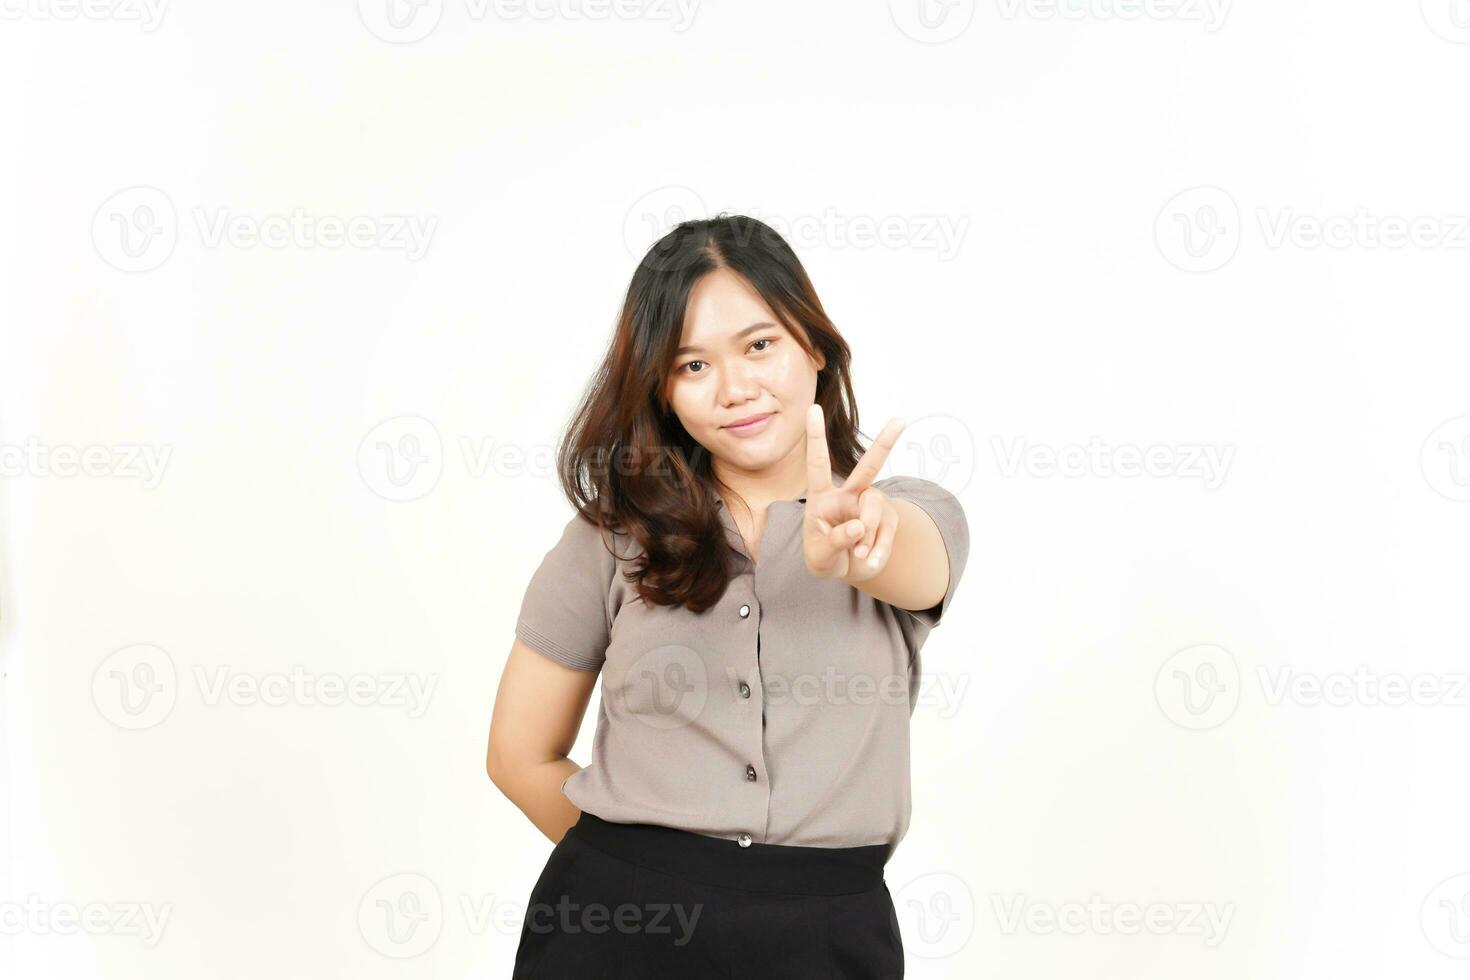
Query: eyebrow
x=763 y=325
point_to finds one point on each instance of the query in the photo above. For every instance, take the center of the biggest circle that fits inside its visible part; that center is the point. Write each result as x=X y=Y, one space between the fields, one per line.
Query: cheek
x=789 y=376
x=686 y=407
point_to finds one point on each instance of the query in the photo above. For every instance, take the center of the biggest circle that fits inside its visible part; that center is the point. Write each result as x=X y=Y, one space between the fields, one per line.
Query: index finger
x=867 y=468
x=818 y=463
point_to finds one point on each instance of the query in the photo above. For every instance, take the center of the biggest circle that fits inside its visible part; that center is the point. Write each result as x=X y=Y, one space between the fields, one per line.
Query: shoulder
x=917 y=489
x=586 y=541
x=942 y=506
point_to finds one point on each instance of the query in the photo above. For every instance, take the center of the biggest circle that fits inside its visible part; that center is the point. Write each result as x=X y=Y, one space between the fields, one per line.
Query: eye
x=684 y=368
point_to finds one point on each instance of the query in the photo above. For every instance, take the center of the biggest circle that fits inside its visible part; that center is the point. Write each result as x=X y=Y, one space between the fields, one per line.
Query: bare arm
x=538 y=710
x=917 y=573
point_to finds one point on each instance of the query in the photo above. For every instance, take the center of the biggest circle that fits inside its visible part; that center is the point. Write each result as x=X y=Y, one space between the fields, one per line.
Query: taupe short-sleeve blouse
x=779 y=715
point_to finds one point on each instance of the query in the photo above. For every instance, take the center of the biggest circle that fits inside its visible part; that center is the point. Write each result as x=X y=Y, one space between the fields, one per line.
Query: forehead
x=720 y=305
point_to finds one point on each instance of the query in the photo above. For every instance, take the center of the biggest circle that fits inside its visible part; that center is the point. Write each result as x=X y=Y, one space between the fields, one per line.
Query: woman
x=754 y=603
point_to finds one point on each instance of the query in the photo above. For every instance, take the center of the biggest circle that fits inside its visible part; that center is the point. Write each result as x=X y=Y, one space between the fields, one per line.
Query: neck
x=783 y=480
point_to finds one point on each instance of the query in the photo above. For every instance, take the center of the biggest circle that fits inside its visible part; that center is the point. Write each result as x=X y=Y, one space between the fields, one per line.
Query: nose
x=738 y=384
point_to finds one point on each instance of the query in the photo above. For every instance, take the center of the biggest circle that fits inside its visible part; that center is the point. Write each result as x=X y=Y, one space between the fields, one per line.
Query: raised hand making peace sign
x=848 y=531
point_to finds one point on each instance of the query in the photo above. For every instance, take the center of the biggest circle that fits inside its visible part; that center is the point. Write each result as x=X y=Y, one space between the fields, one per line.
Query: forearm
x=535 y=789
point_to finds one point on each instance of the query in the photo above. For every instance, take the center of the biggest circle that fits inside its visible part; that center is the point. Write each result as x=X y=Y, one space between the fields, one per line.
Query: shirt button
x=750 y=773
x=744 y=611
x=744 y=690
x=744 y=840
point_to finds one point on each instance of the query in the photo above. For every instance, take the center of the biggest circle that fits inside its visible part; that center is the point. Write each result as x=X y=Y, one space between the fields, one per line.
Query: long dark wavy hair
x=626 y=462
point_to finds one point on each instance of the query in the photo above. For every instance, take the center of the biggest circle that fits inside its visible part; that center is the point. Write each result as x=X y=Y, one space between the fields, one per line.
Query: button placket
x=744 y=612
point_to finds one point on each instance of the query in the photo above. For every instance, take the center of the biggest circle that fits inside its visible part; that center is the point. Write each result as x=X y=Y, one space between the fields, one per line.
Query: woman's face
x=736 y=361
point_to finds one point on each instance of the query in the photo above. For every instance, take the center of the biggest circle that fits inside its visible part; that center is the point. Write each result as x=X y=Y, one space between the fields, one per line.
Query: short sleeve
x=949 y=516
x=564 y=613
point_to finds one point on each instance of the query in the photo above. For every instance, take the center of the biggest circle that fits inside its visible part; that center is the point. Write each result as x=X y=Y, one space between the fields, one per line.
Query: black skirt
x=634 y=901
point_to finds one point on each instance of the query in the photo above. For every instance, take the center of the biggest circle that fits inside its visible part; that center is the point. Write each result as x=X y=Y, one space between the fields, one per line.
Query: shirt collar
x=720 y=501
x=776 y=531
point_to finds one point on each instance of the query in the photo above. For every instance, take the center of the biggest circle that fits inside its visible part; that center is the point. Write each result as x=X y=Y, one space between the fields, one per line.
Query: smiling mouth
x=754 y=420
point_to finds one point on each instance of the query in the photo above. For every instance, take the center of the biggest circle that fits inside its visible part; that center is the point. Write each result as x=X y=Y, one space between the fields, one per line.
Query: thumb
x=831 y=540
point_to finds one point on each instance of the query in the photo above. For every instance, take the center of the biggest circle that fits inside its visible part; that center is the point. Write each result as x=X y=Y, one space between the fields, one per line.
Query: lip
x=750 y=428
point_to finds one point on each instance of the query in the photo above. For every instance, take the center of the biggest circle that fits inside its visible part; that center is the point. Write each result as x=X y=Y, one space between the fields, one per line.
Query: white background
x=1135 y=198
